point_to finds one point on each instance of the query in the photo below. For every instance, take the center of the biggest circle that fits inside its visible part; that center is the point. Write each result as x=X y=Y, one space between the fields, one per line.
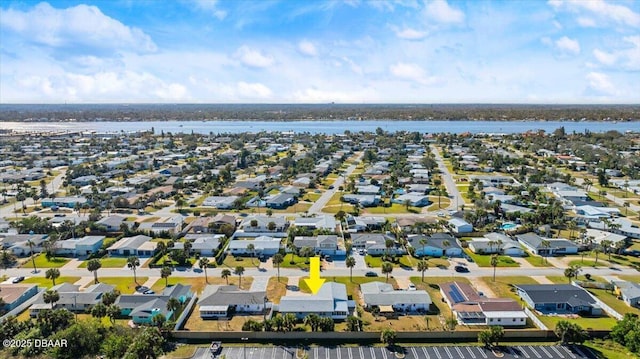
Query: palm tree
x=312 y=320
x=350 y=262
x=277 y=260
x=165 y=272
x=252 y=249
x=606 y=247
x=53 y=274
x=226 y=274
x=423 y=243
x=494 y=264
x=203 y=264
x=239 y=270
x=92 y=266
x=546 y=245
x=387 y=268
x=596 y=250
x=572 y=271
x=99 y=310
x=51 y=296
x=33 y=258
x=113 y=312
x=422 y=267
x=173 y=305
x=133 y=262
x=292 y=248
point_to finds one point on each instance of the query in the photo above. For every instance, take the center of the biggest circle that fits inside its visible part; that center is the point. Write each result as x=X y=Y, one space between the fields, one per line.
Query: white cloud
x=586 y=22
x=79 y=26
x=605 y=57
x=616 y=13
x=210 y=6
x=568 y=46
x=253 y=90
x=253 y=58
x=440 y=11
x=410 y=34
x=600 y=84
x=412 y=72
x=307 y=48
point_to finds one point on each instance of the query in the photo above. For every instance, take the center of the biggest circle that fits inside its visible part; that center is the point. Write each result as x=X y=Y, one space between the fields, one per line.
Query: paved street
x=412 y=352
x=448 y=181
x=317 y=206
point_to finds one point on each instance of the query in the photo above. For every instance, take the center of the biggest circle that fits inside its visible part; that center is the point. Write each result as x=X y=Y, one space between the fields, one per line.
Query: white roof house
x=133 y=246
x=459 y=225
x=330 y=301
x=381 y=294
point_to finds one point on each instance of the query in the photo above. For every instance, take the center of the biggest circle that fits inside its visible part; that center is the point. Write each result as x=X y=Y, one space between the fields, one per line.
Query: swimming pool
x=508 y=225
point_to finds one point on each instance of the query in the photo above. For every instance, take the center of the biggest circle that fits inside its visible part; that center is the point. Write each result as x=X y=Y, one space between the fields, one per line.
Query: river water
x=327 y=127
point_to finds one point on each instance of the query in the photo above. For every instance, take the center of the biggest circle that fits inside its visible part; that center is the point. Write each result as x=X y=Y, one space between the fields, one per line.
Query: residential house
x=220 y=202
x=207 y=245
x=281 y=201
x=67 y=202
x=368 y=189
x=626 y=227
x=72 y=298
x=211 y=224
x=323 y=244
x=459 y=225
x=383 y=295
x=24 y=244
x=546 y=246
x=628 y=292
x=364 y=200
x=368 y=240
x=437 y=245
x=171 y=225
x=330 y=301
x=558 y=299
x=142 y=308
x=325 y=222
x=77 y=247
x=587 y=213
x=261 y=224
x=598 y=237
x=364 y=223
x=111 y=223
x=139 y=245
x=496 y=243
x=415 y=199
x=473 y=308
x=263 y=246
x=13 y=295
x=219 y=301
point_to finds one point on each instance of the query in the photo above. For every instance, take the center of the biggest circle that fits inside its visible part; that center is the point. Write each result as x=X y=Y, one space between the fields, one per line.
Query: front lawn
x=108 y=262
x=42 y=262
x=588 y=263
x=198 y=283
x=276 y=288
x=484 y=260
x=247 y=262
x=125 y=285
x=537 y=261
x=596 y=323
x=298 y=262
x=612 y=301
x=503 y=288
x=404 y=261
x=44 y=282
x=396 y=208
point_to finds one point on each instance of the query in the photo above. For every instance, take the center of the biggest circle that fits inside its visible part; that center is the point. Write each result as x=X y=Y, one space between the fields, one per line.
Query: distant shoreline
x=316 y=112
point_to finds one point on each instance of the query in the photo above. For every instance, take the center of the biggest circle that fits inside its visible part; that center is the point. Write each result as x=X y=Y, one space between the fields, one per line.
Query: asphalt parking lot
x=411 y=352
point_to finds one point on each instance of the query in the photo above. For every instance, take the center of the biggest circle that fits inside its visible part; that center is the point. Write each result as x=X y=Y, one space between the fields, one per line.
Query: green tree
x=570 y=332
x=99 y=311
x=147 y=344
x=133 y=263
x=165 y=272
x=627 y=332
x=53 y=274
x=239 y=270
x=113 y=312
x=226 y=273
x=387 y=268
x=572 y=271
x=388 y=337
x=350 y=262
x=51 y=296
x=203 y=263
x=494 y=264
x=92 y=266
x=422 y=267
x=313 y=321
x=277 y=260
x=173 y=305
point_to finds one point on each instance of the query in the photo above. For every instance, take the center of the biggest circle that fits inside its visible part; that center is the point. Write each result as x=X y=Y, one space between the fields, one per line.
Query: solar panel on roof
x=455 y=294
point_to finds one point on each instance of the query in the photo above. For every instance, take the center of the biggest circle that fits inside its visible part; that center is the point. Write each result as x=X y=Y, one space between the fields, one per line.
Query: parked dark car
x=17 y=279
x=462 y=269
x=371 y=274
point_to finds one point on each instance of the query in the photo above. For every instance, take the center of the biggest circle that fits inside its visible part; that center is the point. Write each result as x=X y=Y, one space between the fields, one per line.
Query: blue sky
x=294 y=51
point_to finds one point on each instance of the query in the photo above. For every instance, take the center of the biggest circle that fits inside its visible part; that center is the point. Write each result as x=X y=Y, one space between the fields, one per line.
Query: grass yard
x=198 y=283
x=502 y=287
x=183 y=351
x=612 y=301
x=405 y=261
x=247 y=262
x=632 y=278
x=396 y=208
x=444 y=203
x=298 y=262
x=588 y=263
x=607 y=349
x=564 y=280
x=109 y=262
x=596 y=323
x=346 y=207
x=125 y=285
x=276 y=288
x=311 y=197
x=47 y=283
x=537 y=261
x=42 y=262
x=484 y=260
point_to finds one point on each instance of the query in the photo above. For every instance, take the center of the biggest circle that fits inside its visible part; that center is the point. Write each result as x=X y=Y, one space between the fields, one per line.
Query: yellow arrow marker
x=314 y=282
